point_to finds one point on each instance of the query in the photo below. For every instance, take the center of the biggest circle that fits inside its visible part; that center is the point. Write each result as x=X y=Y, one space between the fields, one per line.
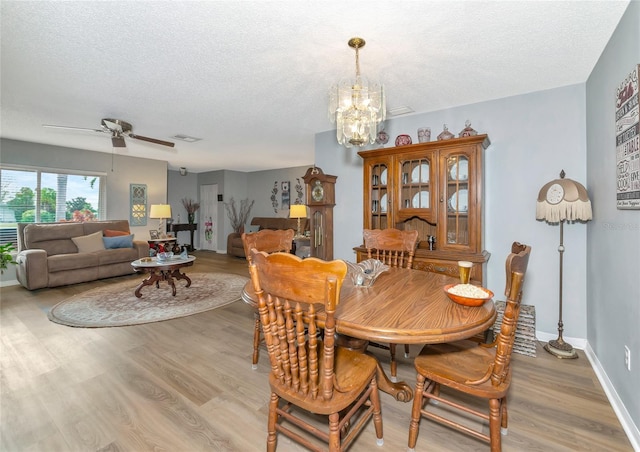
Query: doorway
x=208 y=217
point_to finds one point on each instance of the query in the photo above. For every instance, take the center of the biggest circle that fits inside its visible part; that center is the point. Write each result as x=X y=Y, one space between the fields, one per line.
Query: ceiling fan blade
x=152 y=140
x=50 y=126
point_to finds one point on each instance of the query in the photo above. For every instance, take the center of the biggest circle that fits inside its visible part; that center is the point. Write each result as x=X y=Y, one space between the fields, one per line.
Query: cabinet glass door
x=380 y=196
x=415 y=184
x=457 y=199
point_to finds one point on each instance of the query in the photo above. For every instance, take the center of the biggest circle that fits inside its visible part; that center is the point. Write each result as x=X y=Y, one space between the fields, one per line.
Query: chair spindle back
x=394 y=247
x=290 y=292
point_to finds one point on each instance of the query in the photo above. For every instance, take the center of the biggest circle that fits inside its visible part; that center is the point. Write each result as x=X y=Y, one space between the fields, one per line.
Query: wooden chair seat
x=478 y=370
x=455 y=364
x=353 y=373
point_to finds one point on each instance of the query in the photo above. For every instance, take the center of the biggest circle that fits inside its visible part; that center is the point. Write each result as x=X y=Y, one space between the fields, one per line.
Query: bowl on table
x=164 y=256
x=476 y=295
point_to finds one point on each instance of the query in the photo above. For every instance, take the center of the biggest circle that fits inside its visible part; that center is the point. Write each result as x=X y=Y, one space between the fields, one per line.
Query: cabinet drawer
x=445 y=267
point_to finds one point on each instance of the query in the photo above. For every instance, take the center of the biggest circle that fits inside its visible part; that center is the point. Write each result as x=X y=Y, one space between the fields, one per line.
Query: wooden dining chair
x=479 y=370
x=269 y=241
x=309 y=374
x=395 y=248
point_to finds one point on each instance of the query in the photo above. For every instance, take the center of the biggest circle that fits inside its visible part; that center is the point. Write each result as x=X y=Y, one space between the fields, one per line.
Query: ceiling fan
x=118 y=129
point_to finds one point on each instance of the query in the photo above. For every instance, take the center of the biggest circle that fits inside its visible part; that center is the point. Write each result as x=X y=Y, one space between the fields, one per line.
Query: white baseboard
x=632 y=431
x=11 y=282
x=576 y=342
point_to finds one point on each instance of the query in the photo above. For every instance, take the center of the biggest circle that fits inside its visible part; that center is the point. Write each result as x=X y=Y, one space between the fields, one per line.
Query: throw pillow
x=89 y=243
x=122 y=241
x=114 y=233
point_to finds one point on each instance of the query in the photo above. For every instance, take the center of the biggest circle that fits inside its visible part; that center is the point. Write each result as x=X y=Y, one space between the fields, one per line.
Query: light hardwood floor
x=187 y=385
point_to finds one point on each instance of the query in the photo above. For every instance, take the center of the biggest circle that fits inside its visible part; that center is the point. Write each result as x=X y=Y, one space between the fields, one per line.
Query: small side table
x=155 y=243
x=177 y=227
x=302 y=247
x=168 y=270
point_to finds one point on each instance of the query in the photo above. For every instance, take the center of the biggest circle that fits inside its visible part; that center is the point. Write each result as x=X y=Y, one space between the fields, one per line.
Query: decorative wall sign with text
x=628 y=142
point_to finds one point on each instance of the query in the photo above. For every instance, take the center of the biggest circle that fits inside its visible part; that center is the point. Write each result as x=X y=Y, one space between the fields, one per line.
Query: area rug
x=116 y=304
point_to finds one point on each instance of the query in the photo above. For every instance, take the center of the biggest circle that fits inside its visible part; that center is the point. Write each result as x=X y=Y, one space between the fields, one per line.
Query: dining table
x=402 y=306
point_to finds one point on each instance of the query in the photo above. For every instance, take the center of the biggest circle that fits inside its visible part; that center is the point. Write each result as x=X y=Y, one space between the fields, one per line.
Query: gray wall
x=124 y=171
x=613 y=247
x=181 y=187
x=260 y=188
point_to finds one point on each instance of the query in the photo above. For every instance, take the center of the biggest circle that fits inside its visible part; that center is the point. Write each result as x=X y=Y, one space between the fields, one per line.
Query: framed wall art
x=286 y=200
x=628 y=142
x=138 y=200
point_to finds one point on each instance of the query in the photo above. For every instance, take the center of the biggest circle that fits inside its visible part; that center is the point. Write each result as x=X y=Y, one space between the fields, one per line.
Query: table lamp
x=160 y=211
x=558 y=201
x=298 y=211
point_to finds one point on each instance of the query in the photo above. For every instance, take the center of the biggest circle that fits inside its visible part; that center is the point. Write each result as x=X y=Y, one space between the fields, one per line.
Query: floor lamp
x=558 y=201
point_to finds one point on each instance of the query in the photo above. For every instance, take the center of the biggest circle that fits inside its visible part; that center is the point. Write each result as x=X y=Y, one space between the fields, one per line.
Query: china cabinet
x=435 y=188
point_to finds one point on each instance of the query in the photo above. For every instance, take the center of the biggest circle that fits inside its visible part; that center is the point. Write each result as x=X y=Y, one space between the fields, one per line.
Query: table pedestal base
x=401 y=391
x=155 y=276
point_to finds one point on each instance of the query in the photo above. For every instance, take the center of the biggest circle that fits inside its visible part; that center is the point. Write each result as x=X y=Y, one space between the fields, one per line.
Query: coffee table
x=162 y=270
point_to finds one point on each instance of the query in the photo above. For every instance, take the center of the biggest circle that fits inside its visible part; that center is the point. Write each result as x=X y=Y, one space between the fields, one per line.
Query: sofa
x=57 y=254
x=234 y=240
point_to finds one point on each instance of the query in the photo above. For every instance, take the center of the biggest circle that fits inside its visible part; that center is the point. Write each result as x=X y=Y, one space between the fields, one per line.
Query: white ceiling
x=251 y=77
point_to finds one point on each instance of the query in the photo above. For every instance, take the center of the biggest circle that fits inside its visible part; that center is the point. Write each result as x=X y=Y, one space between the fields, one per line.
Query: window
x=60 y=196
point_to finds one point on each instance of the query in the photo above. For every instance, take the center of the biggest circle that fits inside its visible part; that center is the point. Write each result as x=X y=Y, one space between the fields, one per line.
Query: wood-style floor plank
x=187 y=385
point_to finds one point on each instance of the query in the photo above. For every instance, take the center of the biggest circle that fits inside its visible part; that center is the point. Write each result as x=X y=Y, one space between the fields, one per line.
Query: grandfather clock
x=321 y=197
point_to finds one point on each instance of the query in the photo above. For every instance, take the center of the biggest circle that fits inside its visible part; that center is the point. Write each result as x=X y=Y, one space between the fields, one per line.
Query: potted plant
x=237 y=217
x=6 y=256
x=191 y=207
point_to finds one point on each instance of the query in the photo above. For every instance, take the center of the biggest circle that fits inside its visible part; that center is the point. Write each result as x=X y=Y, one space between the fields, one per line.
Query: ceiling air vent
x=397 y=111
x=186 y=138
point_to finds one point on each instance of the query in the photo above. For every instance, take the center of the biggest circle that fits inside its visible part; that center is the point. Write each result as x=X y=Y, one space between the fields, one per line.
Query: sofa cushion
x=89 y=243
x=122 y=241
x=114 y=233
x=53 y=238
x=117 y=256
x=89 y=227
x=278 y=223
x=73 y=261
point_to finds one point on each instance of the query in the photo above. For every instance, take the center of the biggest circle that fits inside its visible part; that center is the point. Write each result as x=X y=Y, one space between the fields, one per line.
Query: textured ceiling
x=250 y=77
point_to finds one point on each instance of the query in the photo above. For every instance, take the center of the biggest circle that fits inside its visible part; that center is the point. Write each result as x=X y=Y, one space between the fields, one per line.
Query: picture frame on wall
x=286 y=195
x=627 y=119
x=138 y=204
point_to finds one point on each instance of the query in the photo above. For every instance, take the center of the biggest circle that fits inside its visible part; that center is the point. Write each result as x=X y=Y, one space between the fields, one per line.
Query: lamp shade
x=160 y=211
x=298 y=211
x=563 y=200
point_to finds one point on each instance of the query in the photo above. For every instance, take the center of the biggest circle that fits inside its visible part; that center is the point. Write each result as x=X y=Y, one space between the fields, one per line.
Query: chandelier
x=357 y=106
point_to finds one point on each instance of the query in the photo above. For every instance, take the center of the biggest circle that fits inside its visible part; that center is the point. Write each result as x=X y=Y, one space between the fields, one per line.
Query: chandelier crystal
x=357 y=106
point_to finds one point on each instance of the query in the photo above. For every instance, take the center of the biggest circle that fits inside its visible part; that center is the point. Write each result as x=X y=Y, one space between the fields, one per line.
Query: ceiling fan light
x=118 y=142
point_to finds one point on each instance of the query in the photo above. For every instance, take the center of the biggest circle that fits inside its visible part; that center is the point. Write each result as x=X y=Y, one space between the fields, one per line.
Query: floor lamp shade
x=558 y=201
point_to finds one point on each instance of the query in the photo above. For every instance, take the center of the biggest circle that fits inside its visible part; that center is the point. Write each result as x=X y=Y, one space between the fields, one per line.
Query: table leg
x=169 y=279
x=401 y=391
x=177 y=275
x=148 y=281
